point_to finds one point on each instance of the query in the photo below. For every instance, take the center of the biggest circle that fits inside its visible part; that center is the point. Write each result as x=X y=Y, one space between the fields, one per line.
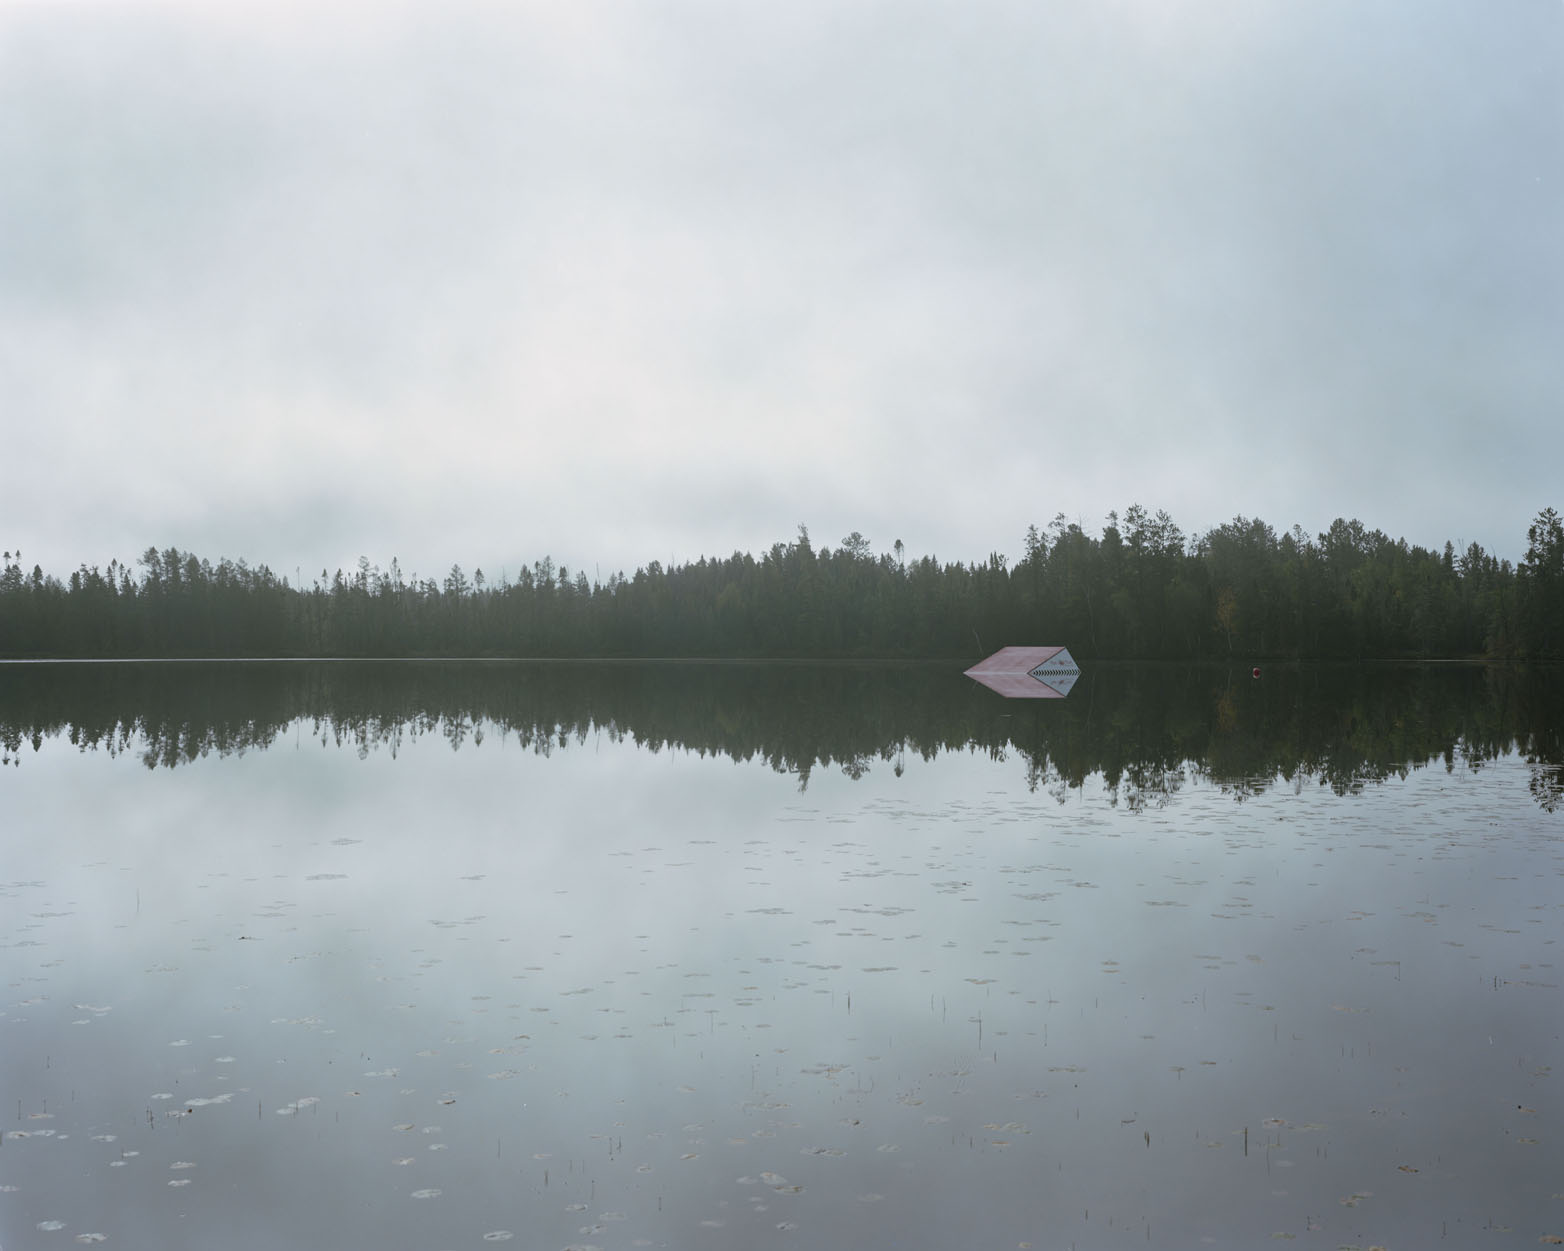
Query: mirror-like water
x=634 y=967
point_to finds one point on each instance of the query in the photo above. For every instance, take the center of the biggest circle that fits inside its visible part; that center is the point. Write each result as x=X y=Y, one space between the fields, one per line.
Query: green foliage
x=1139 y=590
x=1542 y=587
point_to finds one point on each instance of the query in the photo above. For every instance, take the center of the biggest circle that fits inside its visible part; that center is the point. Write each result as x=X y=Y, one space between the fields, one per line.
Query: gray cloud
x=611 y=283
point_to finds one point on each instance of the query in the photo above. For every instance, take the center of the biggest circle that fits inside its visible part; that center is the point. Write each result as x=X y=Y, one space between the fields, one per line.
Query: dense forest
x=1140 y=589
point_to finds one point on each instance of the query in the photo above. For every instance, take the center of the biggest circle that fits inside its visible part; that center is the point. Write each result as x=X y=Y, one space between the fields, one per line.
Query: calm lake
x=426 y=955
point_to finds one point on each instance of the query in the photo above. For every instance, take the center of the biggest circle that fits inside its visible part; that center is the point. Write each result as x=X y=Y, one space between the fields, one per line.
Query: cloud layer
x=622 y=283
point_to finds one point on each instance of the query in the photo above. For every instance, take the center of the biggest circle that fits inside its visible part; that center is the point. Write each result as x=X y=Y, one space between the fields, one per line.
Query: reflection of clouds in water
x=690 y=977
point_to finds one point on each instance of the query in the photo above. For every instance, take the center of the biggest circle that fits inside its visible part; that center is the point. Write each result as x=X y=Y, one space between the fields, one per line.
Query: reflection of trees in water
x=1144 y=732
x=1542 y=744
x=1547 y=785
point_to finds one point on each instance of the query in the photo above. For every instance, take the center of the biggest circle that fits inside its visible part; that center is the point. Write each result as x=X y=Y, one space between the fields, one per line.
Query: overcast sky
x=618 y=282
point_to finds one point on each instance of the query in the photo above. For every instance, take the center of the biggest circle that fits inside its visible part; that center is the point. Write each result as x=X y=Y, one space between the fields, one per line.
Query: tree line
x=1138 y=589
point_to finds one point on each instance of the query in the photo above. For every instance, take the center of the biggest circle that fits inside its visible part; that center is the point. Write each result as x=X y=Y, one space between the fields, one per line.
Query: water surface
x=426 y=956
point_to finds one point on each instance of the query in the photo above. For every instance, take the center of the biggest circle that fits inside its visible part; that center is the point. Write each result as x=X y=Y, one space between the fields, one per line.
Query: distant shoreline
x=943 y=662
x=1139 y=591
